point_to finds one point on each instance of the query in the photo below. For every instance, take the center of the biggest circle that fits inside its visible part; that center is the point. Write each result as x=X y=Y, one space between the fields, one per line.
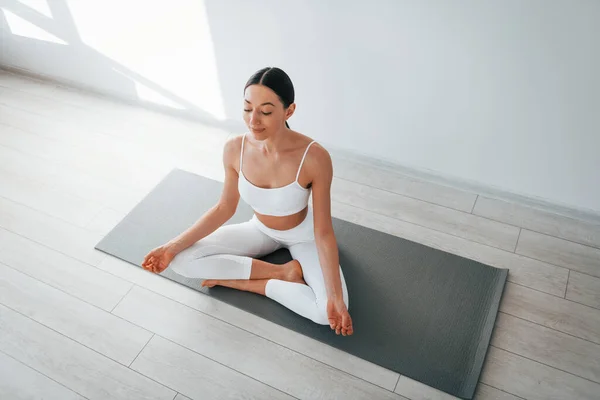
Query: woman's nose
x=254 y=118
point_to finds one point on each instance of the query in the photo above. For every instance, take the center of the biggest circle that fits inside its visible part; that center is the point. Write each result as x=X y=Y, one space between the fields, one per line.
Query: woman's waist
x=293 y=225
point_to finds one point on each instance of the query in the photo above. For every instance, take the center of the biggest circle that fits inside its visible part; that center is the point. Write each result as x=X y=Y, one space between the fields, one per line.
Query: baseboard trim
x=336 y=151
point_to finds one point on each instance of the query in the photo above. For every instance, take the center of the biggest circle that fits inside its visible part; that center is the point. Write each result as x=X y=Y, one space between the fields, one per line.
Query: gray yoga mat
x=419 y=311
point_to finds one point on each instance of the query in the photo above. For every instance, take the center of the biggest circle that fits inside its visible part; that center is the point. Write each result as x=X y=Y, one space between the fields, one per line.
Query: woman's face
x=263 y=111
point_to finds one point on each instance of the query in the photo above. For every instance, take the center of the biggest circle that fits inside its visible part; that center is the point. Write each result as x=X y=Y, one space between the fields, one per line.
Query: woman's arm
x=220 y=212
x=337 y=312
x=324 y=234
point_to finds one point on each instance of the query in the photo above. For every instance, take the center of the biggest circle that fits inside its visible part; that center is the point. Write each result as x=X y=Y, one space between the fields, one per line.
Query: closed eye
x=264 y=113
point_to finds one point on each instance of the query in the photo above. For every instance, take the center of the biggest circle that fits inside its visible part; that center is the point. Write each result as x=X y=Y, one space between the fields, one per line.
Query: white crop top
x=281 y=201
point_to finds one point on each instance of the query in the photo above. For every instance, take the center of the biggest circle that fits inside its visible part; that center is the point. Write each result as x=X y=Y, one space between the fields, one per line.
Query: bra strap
x=303 y=157
x=242 y=151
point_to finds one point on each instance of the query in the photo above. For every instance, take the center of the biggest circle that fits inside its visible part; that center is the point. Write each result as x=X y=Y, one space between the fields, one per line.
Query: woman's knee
x=197 y=251
x=180 y=261
x=321 y=317
x=192 y=255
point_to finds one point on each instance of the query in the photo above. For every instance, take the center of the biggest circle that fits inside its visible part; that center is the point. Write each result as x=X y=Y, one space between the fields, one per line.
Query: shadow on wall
x=164 y=59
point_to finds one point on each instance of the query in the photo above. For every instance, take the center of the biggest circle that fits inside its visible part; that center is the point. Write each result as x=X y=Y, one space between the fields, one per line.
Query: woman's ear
x=290 y=111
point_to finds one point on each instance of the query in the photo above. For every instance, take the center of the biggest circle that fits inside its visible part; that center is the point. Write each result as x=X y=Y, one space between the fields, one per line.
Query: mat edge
x=472 y=380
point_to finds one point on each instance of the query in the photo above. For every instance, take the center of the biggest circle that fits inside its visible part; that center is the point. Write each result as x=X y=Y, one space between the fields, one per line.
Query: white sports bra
x=281 y=201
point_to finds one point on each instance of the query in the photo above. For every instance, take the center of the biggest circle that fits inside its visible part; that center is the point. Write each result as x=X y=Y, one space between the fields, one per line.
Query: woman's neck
x=274 y=143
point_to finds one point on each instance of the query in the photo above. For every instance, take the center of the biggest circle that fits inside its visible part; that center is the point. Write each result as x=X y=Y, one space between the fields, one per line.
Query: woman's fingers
x=148 y=264
x=347 y=322
x=149 y=256
x=149 y=259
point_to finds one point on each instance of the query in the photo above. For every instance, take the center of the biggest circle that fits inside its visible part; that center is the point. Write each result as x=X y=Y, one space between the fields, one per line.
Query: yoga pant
x=227 y=253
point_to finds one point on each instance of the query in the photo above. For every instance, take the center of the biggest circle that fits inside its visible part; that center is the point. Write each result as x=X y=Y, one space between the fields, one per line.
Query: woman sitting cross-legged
x=274 y=169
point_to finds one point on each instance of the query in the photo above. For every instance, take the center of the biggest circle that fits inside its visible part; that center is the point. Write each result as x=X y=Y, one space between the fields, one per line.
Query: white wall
x=502 y=94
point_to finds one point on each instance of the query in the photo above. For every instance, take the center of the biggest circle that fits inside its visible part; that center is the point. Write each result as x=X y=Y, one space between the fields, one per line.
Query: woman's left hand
x=339 y=317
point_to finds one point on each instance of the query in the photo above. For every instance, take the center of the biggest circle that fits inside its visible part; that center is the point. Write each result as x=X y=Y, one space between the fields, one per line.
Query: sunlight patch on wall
x=147 y=94
x=169 y=45
x=40 y=6
x=20 y=27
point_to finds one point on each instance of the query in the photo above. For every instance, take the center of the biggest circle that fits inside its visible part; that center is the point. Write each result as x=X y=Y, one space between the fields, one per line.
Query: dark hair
x=278 y=81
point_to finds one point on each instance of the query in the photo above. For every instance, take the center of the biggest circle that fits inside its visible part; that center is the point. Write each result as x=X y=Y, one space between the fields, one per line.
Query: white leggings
x=227 y=253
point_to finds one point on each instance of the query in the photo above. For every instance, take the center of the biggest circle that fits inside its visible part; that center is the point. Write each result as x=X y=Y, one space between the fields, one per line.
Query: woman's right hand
x=158 y=259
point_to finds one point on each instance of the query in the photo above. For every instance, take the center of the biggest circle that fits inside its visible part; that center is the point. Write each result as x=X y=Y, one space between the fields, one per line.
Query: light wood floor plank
x=62 y=272
x=196 y=376
x=242 y=351
x=485 y=392
x=293 y=340
x=547 y=346
x=145 y=129
x=534 y=381
x=584 y=289
x=416 y=390
x=105 y=221
x=107 y=161
x=536 y=220
x=26 y=166
x=71 y=364
x=19 y=382
x=115 y=143
x=29 y=102
x=443 y=219
x=51 y=232
x=552 y=312
x=402 y=184
x=45 y=198
x=560 y=252
x=94 y=328
x=140 y=174
x=13 y=81
x=69 y=180
x=522 y=270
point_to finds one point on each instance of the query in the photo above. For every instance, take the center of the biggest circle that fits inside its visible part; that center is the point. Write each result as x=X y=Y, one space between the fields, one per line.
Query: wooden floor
x=75 y=323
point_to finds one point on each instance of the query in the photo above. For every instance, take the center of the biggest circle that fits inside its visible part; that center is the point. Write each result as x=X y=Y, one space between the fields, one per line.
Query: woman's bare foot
x=290 y=272
x=294 y=272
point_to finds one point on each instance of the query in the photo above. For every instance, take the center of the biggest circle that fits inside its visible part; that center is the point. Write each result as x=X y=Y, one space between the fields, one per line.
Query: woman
x=273 y=169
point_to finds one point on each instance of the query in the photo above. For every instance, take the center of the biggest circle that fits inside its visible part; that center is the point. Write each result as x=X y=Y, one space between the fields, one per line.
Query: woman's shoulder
x=303 y=141
x=234 y=142
x=232 y=149
x=317 y=157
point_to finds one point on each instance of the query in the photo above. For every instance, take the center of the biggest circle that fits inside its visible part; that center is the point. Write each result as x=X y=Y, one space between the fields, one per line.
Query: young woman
x=274 y=169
